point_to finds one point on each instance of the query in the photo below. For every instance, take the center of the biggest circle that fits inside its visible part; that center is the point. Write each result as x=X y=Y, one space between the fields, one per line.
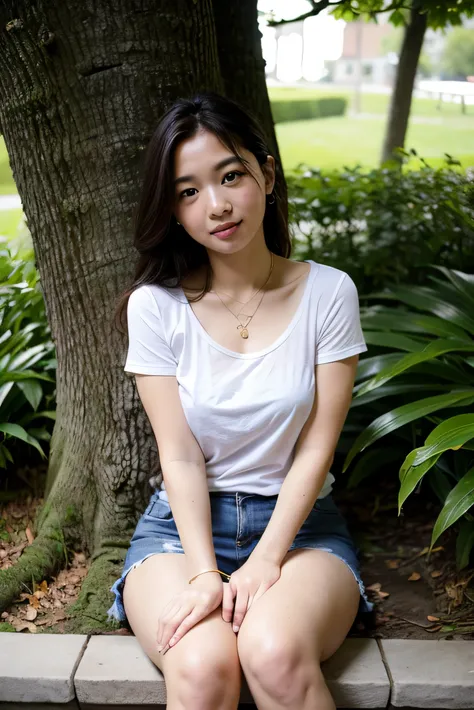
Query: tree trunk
x=400 y=104
x=243 y=66
x=84 y=89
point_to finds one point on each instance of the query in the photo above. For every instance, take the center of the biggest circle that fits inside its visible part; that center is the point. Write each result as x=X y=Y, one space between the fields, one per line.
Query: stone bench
x=106 y=672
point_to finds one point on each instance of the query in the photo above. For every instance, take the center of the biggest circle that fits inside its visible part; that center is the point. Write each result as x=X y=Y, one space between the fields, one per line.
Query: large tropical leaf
x=427 y=299
x=458 y=502
x=450 y=434
x=388 y=422
x=19 y=433
x=433 y=349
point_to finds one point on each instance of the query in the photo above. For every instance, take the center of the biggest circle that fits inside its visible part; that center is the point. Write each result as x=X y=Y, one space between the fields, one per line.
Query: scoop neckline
x=259 y=353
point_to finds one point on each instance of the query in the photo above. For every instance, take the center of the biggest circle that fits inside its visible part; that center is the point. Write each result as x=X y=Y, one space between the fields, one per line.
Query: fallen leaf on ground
x=31 y=613
x=414 y=577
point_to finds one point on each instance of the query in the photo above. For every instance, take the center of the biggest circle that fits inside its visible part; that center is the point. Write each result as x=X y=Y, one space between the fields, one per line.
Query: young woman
x=244 y=362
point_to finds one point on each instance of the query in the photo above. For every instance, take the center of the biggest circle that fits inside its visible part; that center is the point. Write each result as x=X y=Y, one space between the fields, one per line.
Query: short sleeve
x=148 y=351
x=339 y=335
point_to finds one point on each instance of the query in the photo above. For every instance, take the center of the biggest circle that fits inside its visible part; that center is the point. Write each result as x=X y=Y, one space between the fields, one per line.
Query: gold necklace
x=244 y=333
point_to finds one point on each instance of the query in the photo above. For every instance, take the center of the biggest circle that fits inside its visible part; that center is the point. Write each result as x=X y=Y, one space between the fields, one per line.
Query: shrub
x=27 y=355
x=384 y=225
x=303 y=109
x=418 y=384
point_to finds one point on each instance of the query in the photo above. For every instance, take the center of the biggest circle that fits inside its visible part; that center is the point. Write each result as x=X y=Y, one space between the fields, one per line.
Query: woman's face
x=212 y=194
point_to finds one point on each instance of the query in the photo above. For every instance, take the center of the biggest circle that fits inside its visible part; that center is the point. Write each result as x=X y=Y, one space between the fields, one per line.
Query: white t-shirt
x=246 y=410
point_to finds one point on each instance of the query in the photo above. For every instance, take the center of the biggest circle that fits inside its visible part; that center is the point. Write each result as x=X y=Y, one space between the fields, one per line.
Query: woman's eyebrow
x=220 y=164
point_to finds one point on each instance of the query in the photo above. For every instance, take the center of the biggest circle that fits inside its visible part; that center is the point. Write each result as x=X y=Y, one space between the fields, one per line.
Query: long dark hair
x=167 y=254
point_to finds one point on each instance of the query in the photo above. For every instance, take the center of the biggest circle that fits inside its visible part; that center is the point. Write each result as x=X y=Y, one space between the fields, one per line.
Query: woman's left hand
x=246 y=585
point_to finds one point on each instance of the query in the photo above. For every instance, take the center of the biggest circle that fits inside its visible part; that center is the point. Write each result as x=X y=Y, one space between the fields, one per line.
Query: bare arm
x=183 y=466
x=314 y=454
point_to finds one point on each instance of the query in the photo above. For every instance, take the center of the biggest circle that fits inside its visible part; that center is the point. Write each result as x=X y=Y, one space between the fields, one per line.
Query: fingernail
x=171 y=642
x=160 y=648
x=236 y=628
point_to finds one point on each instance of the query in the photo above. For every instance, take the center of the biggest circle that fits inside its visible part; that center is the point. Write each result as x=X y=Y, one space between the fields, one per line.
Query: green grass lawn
x=340 y=141
x=357 y=139
x=9 y=221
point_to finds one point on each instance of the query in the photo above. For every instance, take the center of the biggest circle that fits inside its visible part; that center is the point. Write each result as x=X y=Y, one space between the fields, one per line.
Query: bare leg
x=202 y=672
x=298 y=623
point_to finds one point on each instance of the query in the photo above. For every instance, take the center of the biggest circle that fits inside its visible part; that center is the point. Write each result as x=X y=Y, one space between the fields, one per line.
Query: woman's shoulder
x=145 y=295
x=330 y=278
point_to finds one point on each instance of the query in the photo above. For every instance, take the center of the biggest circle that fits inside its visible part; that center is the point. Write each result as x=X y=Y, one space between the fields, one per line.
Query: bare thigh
x=313 y=605
x=147 y=590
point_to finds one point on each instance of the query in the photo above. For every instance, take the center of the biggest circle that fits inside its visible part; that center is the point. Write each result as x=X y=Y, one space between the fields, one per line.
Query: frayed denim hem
x=117 y=610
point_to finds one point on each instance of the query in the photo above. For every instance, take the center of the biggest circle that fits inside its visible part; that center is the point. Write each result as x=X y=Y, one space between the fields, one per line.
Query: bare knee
x=205 y=680
x=280 y=667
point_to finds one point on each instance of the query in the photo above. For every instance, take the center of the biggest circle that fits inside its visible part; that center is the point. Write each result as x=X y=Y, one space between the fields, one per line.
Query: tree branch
x=317 y=7
x=320 y=5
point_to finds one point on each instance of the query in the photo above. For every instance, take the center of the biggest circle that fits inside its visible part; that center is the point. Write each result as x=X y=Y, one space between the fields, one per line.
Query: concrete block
x=115 y=670
x=39 y=668
x=71 y=705
x=430 y=674
x=356 y=675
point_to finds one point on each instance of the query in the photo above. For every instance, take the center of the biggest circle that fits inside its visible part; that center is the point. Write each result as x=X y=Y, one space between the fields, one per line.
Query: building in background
x=364 y=58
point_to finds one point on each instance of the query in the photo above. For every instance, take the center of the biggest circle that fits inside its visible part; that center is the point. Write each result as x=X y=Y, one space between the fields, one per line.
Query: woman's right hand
x=187 y=608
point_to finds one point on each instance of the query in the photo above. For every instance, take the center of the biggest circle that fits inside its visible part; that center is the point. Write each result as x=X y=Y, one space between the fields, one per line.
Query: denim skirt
x=238 y=522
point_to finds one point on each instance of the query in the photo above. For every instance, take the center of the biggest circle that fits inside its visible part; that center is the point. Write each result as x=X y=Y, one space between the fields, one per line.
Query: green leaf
x=371 y=462
x=386 y=339
x=404 y=321
x=19 y=375
x=412 y=475
x=29 y=357
x=32 y=391
x=464 y=282
x=434 y=349
x=464 y=543
x=460 y=499
x=29 y=416
x=390 y=421
x=427 y=299
x=449 y=434
x=4 y=390
x=396 y=389
x=19 y=433
x=397 y=18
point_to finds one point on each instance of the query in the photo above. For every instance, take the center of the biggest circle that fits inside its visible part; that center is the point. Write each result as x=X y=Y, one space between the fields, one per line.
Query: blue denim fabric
x=238 y=521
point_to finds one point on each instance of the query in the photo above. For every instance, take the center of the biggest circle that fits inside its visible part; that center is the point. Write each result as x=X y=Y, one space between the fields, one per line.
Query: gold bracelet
x=209 y=570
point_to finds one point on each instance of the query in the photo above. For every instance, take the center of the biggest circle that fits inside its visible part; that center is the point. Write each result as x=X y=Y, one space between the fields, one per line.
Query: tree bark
x=400 y=104
x=81 y=90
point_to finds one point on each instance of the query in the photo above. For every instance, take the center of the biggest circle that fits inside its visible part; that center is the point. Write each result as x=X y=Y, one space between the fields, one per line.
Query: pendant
x=243 y=331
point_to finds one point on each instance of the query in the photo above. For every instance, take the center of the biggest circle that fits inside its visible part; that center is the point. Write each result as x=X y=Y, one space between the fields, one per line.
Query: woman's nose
x=218 y=204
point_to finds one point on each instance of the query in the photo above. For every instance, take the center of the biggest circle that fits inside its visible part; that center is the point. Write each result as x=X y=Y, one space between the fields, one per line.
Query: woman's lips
x=227 y=232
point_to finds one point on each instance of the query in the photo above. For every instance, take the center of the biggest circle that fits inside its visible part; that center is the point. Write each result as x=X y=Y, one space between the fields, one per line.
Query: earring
x=272 y=202
x=178 y=222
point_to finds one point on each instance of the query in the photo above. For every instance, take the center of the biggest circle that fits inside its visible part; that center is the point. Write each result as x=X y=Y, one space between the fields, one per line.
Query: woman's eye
x=183 y=194
x=233 y=172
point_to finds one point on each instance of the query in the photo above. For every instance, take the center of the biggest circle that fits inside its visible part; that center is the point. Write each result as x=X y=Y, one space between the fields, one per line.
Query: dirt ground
x=416 y=596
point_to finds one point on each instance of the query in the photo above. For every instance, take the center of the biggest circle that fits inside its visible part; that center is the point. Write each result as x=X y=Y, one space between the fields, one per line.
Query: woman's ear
x=269 y=172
